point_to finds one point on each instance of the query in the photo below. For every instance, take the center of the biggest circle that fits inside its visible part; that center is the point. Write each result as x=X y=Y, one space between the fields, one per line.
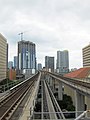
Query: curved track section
x=81 y=86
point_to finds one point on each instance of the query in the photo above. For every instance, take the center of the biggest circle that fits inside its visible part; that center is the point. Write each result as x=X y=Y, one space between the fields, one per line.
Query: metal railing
x=67 y=115
x=9 y=85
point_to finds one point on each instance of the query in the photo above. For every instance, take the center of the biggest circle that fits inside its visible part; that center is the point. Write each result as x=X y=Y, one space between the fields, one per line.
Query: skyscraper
x=86 y=56
x=49 y=63
x=15 y=62
x=26 y=55
x=39 y=66
x=3 y=57
x=62 y=62
x=10 y=64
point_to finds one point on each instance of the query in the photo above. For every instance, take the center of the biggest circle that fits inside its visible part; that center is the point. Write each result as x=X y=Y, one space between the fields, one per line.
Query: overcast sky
x=51 y=24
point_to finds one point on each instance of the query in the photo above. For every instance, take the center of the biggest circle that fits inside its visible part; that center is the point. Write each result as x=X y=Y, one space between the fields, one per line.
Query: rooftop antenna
x=21 y=35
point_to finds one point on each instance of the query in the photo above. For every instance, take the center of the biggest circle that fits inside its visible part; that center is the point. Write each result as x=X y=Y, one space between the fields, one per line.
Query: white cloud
x=51 y=24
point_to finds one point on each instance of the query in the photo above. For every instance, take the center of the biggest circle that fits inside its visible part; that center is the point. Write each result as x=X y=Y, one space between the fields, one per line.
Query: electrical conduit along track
x=45 y=110
x=8 y=108
x=57 y=109
x=52 y=115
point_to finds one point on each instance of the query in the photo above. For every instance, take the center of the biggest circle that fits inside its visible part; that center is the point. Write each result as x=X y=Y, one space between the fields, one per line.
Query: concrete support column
x=47 y=77
x=53 y=85
x=80 y=103
x=88 y=106
x=50 y=81
x=60 y=92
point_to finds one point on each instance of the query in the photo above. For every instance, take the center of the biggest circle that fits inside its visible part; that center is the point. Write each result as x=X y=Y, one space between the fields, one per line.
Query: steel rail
x=22 y=98
x=7 y=107
x=12 y=94
x=14 y=90
x=11 y=104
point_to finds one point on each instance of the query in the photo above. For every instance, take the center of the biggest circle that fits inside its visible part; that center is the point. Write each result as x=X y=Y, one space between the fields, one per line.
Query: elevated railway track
x=57 y=108
x=72 y=80
x=81 y=86
x=10 y=103
x=49 y=109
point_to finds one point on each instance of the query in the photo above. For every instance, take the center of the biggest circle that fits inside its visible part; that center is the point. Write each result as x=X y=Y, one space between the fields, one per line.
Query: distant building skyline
x=26 y=55
x=62 y=64
x=10 y=64
x=49 y=63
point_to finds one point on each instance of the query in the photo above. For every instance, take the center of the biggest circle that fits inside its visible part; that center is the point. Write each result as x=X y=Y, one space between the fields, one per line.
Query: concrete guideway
x=12 y=104
x=81 y=89
x=49 y=101
x=29 y=106
x=55 y=103
x=77 y=85
x=50 y=104
x=44 y=101
x=49 y=107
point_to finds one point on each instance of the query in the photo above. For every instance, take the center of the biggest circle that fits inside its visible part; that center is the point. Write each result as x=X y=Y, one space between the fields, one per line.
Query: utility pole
x=21 y=34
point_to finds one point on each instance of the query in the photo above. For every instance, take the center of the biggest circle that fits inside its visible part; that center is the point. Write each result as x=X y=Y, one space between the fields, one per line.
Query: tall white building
x=62 y=62
x=86 y=56
x=3 y=57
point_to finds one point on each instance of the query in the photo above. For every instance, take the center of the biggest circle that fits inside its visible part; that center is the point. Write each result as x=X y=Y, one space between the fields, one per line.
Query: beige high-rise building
x=3 y=57
x=86 y=56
